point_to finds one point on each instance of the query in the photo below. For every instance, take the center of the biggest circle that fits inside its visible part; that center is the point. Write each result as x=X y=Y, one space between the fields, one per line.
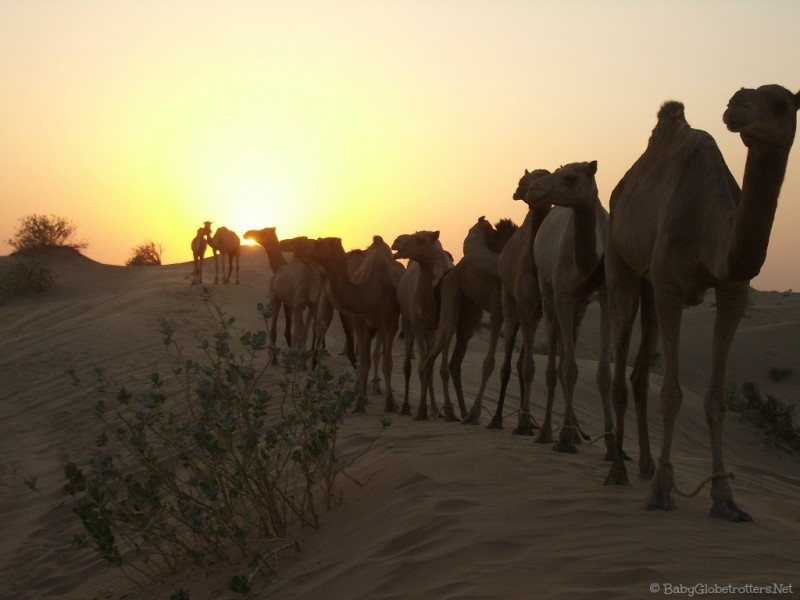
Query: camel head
x=767 y=115
x=418 y=246
x=572 y=185
x=263 y=237
x=525 y=182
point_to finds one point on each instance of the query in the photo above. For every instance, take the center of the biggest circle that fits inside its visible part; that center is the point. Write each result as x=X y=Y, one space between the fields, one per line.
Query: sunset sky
x=138 y=120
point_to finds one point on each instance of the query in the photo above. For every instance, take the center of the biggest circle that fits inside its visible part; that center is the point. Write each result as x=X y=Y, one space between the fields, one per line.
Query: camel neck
x=275 y=257
x=535 y=218
x=430 y=273
x=752 y=222
x=586 y=256
x=345 y=292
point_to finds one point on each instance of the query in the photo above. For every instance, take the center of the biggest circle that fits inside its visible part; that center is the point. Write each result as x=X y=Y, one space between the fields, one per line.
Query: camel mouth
x=732 y=123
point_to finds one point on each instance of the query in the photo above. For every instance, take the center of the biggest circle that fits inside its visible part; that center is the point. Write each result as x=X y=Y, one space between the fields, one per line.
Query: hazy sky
x=138 y=120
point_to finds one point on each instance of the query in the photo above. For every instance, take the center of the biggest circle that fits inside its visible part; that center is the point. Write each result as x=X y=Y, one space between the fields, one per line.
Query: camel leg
x=669 y=310
x=730 y=306
x=237 y=268
x=568 y=372
x=640 y=377
x=603 y=376
x=529 y=321
x=510 y=328
x=444 y=374
x=469 y=318
x=495 y=324
x=349 y=341
x=422 y=409
x=623 y=304
x=275 y=309
x=545 y=435
x=387 y=340
x=376 y=365
x=363 y=336
x=440 y=341
x=301 y=323
x=408 y=343
x=216 y=267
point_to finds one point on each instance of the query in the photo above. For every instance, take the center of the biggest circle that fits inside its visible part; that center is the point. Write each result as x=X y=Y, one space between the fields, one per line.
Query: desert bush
x=778 y=374
x=22 y=276
x=145 y=255
x=40 y=231
x=767 y=412
x=213 y=464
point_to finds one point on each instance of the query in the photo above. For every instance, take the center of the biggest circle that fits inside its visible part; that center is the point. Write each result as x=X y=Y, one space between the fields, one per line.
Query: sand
x=441 y=510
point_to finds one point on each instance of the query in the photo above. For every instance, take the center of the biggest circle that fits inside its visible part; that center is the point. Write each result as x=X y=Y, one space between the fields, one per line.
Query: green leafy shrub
x=213 y=464
x=145 y=255
x=40 y=231
x=767 y=412
x=22 y=276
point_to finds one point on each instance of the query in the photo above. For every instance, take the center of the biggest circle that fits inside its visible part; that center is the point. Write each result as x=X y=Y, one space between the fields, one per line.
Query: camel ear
x=593 y=167
x=435 y=235
x=797 y=101
x=526 y=172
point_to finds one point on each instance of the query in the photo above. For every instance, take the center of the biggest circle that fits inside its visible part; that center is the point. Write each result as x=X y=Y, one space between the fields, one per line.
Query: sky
x=138 y=120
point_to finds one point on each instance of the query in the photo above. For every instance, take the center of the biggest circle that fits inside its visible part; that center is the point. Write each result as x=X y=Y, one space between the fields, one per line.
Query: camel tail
x=591 y=283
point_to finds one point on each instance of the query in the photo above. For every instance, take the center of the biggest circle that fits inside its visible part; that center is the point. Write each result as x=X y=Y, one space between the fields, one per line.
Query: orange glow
x=139 y=121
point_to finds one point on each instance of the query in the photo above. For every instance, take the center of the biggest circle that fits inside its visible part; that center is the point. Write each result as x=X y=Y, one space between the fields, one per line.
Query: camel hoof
x=611 y=454
x=448 y=414
x=617 y=474
x=495 y=423
x=565 y=444
x=647 y=469
x=730 y=512
x=473 y=418
x=390 y=407
x=421 y=416
x=660 y=501
x=405 y=409
x=523 y=430
x=565 y=448
x=545 y=436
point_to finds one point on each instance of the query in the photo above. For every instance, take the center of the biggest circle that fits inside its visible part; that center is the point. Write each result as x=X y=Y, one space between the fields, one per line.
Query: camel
x=428 y=262
x=567 y=248
x=226 y=243
x=199 y=245
x=369 y=298
x=522 y=309
x=466 y=290
x=325 y=310
x=296 y=286
x=680 y=225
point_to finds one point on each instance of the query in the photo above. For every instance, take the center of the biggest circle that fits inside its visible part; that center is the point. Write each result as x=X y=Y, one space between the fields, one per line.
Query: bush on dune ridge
x=773 y=415
x=214 y=464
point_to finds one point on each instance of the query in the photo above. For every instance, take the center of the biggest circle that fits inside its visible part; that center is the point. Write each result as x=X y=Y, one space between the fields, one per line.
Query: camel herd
x=678 y=225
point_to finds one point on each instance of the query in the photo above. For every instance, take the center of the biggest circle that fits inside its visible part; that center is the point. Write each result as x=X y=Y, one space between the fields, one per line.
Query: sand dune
x=442 y=510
